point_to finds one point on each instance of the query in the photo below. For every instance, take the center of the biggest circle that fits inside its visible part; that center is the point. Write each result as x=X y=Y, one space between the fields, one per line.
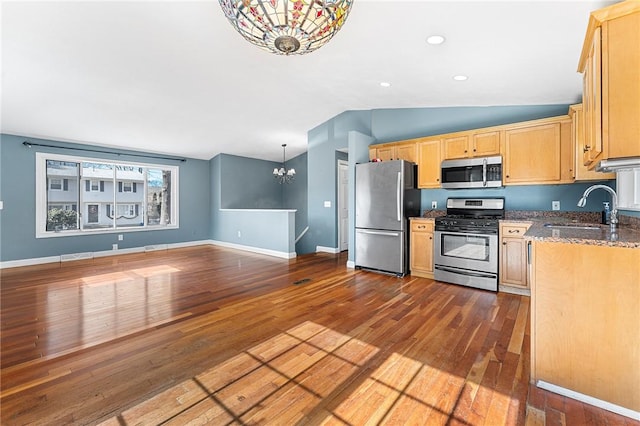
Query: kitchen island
x=585 y=314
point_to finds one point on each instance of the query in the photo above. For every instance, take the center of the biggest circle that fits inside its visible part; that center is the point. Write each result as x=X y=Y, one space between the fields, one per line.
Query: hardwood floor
x=207 y=334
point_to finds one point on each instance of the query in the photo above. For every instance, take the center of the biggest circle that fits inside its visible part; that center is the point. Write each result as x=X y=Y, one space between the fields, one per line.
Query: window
x=55 y=184
x=82 y=195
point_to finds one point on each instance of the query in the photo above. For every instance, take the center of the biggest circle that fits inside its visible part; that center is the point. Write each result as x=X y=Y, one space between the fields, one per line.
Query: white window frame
x=92 y=187
x=42 y=188
x=127 y=186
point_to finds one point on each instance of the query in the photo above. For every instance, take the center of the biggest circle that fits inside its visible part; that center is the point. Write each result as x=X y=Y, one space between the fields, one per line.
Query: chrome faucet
x=614 y=203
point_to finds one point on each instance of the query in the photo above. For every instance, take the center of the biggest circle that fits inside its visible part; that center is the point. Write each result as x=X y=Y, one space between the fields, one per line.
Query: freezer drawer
x=381 y=250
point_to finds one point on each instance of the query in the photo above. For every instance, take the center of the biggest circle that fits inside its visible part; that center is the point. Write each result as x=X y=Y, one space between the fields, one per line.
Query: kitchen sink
x=572 y=226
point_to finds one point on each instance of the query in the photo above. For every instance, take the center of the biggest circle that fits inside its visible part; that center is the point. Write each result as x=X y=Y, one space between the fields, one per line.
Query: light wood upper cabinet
x=582 y=172
x=406 y=150
x=532 y=153
x=610 y=61
x=429 y=159
x=471 y=144
x=421 y=248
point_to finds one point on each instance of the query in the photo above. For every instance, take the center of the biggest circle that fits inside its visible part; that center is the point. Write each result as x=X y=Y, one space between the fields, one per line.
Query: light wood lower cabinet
x=513 y=257
x=585 y=320
x=421 y=248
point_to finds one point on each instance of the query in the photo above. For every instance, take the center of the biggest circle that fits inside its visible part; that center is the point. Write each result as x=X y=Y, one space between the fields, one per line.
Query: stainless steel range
x=466 y=242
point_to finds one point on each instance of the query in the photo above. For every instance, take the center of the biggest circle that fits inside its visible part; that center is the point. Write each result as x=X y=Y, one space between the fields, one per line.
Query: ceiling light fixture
x=460 y=77
x=281 y=174
x=435 y=39
x=287 y=27
x=385 y=84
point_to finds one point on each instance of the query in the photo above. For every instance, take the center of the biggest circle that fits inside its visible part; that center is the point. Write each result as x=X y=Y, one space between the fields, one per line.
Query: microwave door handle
x=484 y=172
x=399 y=196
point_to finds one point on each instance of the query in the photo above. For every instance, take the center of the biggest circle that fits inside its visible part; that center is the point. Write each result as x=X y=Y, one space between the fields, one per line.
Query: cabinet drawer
x=513 y=230
x=421 y=226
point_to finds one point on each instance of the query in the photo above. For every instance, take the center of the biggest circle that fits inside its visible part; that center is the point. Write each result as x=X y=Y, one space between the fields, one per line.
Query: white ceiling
x=174 y=77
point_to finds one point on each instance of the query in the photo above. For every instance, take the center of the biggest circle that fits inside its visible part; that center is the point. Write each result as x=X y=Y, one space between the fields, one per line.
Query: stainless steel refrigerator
x=386 y=196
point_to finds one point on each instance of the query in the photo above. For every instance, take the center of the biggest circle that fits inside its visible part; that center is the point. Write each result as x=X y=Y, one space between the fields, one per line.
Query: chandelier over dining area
x=287 y=27
x=282 y=174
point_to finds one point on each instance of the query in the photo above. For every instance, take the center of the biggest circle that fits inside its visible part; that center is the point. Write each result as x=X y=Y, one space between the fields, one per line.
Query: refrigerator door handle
x=388 y=234
x=399 y=200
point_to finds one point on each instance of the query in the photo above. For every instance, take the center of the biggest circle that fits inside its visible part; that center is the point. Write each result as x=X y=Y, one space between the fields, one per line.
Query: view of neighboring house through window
x=78 y=194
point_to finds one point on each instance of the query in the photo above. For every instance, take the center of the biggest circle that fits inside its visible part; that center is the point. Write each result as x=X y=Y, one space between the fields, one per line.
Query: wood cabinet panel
x=485 y=144
x=532 y=154
x=455 y=147
x=429 y=160
x=609 y=62
x=408 y=152
x=471 y=144
x=582 y=172
x=513 y=255
x=421 y=248
x=585 y=320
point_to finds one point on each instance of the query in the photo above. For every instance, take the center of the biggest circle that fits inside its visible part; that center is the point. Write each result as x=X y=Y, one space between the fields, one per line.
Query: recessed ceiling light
x=460 y=77
x=385 y=84
x=435 y=39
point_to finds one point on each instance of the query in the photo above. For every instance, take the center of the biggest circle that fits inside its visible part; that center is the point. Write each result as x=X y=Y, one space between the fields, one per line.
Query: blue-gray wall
x=248 y=183
x=17 y=189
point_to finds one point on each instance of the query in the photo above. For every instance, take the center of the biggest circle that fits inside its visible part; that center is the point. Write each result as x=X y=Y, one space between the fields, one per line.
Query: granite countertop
x=627 y=234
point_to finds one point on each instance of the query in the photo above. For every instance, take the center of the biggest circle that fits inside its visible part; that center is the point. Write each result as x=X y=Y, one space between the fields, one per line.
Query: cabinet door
x=532 y=154
x=592 y=103
x=582 y=172
x=455 y=147
x=421 y=257
x=407 y=152
x=513 y=262
x=621 y=86
x=483 y=144
x=386 y=153
x=373 y=153
x=567 y=153
x=429 y=163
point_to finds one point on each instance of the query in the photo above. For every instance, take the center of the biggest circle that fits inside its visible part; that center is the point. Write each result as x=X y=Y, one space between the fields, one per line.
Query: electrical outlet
x=120 y=237
x=555 y=205
x=434 y=205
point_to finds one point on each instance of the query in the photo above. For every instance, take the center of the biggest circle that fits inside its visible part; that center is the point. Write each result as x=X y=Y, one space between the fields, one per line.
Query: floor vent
x=156 y=247
x=76 y=256
x=302 y=281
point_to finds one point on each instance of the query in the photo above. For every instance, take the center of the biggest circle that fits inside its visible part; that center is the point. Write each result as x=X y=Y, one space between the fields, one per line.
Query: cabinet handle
x=516 y=231
x=420 y=226
x=474 y=150
x=431 y=238
x=507 y=176
x=504 y=243
x=586 y=148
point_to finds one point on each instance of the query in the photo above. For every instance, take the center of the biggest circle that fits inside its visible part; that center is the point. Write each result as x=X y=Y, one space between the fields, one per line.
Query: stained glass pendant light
x=281 y=174
x=287 y=27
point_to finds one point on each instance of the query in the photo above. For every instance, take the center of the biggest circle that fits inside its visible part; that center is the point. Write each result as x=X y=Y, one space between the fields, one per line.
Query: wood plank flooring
x=213 y=335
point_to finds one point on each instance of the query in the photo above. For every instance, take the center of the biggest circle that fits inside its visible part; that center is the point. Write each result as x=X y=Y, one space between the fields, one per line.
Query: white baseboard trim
x=90 y=255
x=635 y=415
x=268 y=252
x=351 y=264
x=29 y=262
x=333 y=250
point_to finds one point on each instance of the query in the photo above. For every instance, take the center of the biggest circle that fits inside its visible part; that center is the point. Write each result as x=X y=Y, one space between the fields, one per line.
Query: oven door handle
x=468 y=273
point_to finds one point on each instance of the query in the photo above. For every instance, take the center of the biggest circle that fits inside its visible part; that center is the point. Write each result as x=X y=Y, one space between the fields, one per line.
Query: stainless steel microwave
x=481 y=172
